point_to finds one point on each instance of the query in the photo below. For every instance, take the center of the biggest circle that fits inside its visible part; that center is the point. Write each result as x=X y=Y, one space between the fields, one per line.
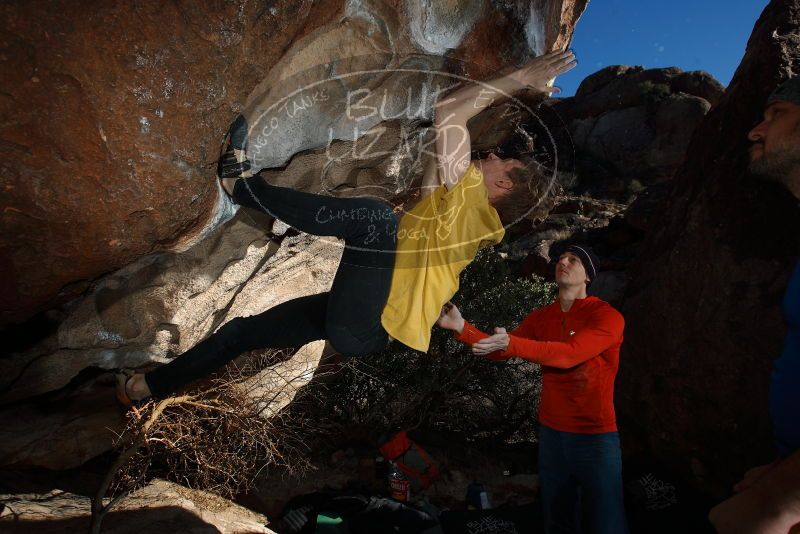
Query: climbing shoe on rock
x=233 y=162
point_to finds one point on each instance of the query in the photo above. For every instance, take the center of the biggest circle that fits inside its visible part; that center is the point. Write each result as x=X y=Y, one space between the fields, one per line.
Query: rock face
x=622 y=138
x=703 y=309
x=113 y=227
x=632 y=125
x=111 y=126
x=154 y=309
x=160 y=506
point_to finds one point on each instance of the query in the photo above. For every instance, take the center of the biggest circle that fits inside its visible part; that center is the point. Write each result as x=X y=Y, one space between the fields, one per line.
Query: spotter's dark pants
x=580 y=482
x=348 y=316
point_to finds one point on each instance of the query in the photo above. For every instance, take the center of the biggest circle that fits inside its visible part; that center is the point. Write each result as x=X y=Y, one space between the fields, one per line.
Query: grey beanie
x=589 y=259
x=788 y=91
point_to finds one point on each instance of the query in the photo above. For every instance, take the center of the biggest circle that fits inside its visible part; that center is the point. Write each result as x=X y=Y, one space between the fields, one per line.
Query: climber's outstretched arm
x=453 y=111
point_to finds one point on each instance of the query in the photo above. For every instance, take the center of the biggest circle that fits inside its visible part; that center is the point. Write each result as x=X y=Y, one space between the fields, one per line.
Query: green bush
x=636 y=187
x=655 y=92
x=449 y=388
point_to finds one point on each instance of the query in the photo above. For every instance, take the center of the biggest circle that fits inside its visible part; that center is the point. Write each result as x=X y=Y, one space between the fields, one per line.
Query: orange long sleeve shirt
x=579 y=354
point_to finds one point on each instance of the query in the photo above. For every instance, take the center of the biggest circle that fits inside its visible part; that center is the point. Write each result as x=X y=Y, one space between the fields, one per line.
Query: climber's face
x=495 y=175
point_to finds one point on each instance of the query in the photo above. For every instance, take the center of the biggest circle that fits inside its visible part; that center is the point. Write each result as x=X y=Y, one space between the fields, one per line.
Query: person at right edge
x=767 y=499
x=576 y=339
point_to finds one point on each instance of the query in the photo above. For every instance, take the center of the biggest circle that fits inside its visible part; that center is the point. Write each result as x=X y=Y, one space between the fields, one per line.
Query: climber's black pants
x=348 y=315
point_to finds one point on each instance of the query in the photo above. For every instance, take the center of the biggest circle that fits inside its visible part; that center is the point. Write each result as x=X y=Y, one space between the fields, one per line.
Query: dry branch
x=212 y=439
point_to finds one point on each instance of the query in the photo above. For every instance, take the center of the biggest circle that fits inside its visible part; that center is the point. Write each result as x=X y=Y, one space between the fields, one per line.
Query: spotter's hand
x=499 y=341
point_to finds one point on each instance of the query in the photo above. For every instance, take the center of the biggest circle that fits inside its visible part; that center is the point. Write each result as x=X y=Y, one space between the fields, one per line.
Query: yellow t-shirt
x=436 y=240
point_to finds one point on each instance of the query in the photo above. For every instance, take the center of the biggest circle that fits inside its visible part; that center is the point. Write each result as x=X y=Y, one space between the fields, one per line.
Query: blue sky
x=708 y=35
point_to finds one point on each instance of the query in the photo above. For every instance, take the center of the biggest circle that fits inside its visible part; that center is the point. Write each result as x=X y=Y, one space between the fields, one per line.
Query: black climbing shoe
x=233 y=162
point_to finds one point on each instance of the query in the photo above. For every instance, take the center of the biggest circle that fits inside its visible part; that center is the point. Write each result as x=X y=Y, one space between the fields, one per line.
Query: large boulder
x=119 y=248
x=111 y=126
x=630 y=127
x=58 y=407
x=703 y=308
x=621 y=139
x=160 y=506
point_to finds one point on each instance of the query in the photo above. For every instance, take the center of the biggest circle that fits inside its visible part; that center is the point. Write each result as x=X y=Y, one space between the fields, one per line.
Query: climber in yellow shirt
x=394 y=276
